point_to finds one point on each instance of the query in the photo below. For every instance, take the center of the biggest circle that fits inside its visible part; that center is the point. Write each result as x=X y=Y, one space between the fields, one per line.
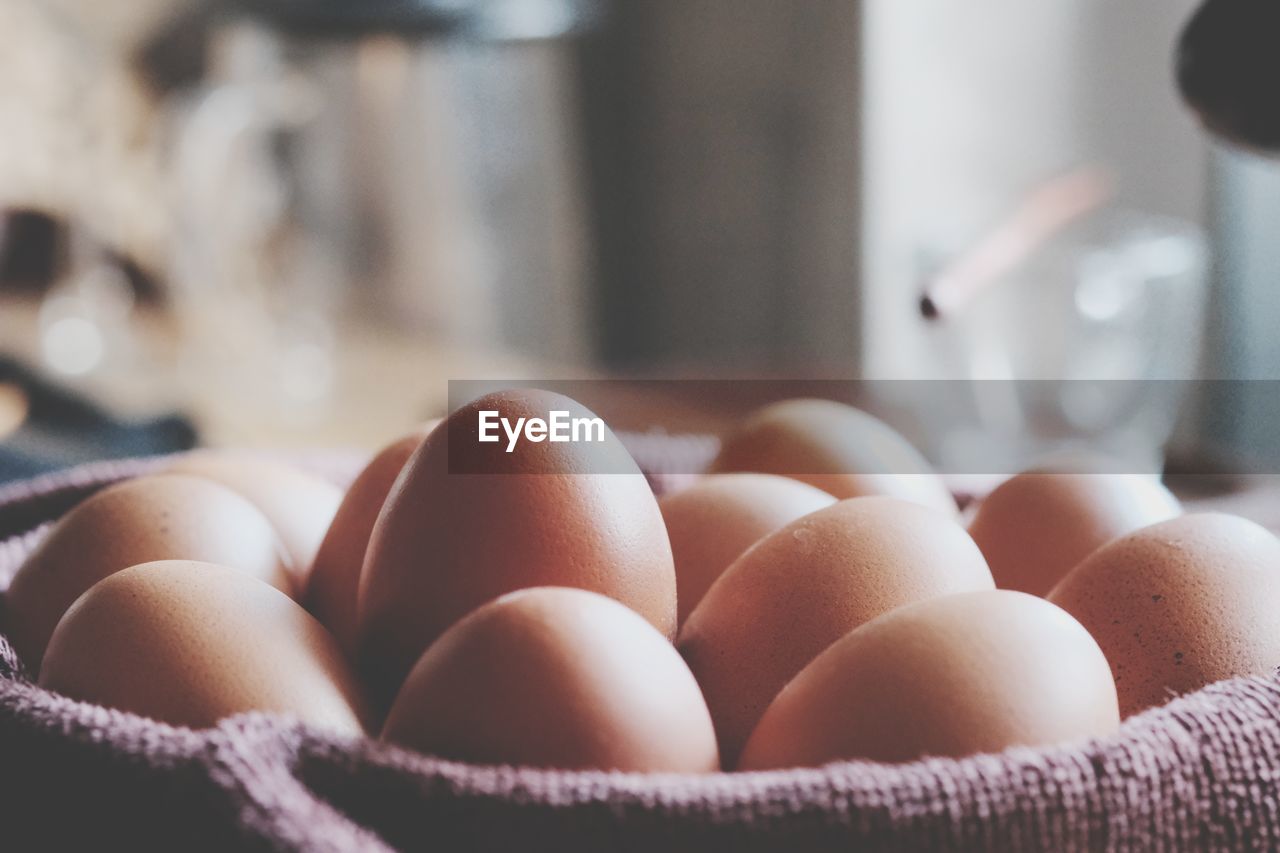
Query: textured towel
x=1200 y=773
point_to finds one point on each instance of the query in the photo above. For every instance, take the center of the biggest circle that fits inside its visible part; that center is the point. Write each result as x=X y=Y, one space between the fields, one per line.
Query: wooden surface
x=384 y=383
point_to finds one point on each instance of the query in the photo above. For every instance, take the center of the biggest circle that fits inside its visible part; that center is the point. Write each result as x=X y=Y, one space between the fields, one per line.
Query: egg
x=1179 y=605
x=137 y=521
x=556 y=677
x=836 y=448
x=192 y=643
x=807 y=585
x=470 y=521
x=300 y=505
x=1035 y=527
x=334 y=579
x=952 y=676
x=713 y=521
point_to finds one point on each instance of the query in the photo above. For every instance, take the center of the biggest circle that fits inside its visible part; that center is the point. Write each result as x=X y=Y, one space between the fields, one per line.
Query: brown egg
x=299 y=505
x=807 y=585
x=953 y=676
x=138 y=521
x=836 y=448
x=191 y=643
x=470 y=521
x=334 y=580
x=1035 y=527
x=556 y=677
x=713 y=521
x=1180 y=605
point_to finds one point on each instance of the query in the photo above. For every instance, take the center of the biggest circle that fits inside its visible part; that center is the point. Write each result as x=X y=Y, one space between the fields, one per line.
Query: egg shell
x=1035 y=527
x=300 y=505
x=715 y=520
x=952 y=676
x=468 y=522
x=137 y=521
x=802 y=588
x=192 y=643
x=556 y=677
x=1179 y=605
x=837 y=448
x=334 y=580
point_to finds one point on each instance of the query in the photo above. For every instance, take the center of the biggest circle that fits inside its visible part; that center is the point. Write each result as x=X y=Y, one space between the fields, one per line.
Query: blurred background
x=291 y=222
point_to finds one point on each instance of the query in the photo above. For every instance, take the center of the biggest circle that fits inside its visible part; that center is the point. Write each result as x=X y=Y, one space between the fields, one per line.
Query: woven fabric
x=1199 y=773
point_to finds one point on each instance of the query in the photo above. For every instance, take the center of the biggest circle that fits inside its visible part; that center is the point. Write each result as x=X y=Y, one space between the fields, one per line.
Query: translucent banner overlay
x=962 y=427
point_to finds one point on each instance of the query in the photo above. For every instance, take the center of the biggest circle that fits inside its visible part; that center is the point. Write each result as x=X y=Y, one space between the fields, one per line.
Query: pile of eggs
x=815 y=597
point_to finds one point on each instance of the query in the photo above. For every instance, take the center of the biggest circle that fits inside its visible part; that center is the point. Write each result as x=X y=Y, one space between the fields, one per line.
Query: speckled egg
x=1180 y=605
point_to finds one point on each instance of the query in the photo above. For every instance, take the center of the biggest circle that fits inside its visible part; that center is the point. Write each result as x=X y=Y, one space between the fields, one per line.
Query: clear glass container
x=1088 y=347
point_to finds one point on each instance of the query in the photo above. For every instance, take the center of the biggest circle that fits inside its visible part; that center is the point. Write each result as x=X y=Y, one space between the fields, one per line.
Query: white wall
x=967 y=105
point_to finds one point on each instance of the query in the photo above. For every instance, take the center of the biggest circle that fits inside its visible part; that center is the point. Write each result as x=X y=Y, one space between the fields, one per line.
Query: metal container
x=401 y=167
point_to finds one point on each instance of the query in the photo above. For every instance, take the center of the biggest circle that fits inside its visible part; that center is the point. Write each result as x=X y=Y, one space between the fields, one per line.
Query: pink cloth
x=1200 y=773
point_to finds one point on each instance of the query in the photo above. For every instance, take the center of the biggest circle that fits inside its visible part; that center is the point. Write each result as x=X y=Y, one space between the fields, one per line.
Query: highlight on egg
x=300 y=505
x=807 y=585
x=470 y=521
x=712 y=522
x=190 y=644
x=138 y=521
x=951 y=676
x=1035 y=527
x=559 y=678
x=836 y=448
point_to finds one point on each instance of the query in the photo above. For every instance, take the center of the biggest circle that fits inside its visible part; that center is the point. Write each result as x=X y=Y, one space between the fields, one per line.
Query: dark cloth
x=63 y=428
